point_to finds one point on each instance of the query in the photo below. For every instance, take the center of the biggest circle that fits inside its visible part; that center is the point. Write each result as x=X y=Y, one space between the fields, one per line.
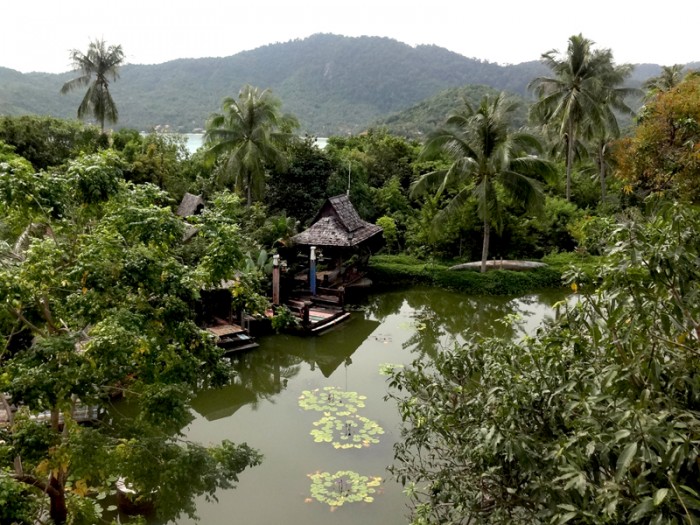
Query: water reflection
x=441 y=320
x=262 y=406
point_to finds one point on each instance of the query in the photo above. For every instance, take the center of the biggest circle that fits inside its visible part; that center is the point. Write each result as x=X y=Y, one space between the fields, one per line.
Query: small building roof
x=190 y=205
x=337 y=224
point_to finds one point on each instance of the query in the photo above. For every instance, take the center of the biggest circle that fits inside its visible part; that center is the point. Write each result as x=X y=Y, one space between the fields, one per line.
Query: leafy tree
x=99 y=286
x=300 y=190
x=391 y=235
x=103 y=63
x=582 y=96
x=158 y=158
x=593 y=420
x=48 y=141
x=248 y=135
x=487 y=160
x=663 y=156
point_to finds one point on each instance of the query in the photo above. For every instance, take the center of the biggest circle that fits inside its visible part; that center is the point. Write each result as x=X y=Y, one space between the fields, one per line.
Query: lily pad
x=387 y=369
x=345 y=486
x=343 y=432
x=331 y=400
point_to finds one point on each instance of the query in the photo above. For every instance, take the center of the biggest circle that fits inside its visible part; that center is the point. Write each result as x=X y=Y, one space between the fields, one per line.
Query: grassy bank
x=388 y=271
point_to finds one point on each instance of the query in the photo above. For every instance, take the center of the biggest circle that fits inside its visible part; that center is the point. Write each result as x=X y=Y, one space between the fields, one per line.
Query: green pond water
x=263 y=407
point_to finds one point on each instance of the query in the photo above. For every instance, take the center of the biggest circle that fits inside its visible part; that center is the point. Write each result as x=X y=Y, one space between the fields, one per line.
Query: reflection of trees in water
x=442 y=317
x=428 y=333
x=265 y=371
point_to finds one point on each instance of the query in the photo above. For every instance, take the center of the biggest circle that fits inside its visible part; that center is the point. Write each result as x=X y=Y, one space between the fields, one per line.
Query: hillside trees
x=248 y=136
x=48 y=141
x=96 y=303
x=663 y=155
x=592 y=420
x=486 y=162
x=103 y=63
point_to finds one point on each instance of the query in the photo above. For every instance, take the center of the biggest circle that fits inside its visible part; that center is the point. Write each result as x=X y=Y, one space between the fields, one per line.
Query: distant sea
x=195 y=141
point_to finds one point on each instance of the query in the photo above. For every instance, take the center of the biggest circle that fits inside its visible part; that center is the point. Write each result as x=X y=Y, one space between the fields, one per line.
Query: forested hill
x=333 y=84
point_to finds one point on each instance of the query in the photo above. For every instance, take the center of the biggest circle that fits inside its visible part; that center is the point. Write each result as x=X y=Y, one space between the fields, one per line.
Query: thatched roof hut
x=190 y=205
x=338 y=225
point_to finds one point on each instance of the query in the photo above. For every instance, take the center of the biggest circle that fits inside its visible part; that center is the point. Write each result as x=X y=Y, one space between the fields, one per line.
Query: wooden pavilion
x=343 y=242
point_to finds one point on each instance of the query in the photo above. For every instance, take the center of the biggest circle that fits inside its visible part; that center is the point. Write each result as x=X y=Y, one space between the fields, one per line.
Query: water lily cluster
x=343 y=428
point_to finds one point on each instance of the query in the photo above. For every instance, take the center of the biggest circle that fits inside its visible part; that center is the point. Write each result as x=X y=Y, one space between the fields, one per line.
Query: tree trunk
x=54 y=489
x=569 y=158
x=58 y=510
x=601 y=155
x=485 y=248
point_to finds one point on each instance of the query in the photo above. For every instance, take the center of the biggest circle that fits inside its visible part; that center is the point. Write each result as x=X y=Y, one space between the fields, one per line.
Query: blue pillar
x=312 y=270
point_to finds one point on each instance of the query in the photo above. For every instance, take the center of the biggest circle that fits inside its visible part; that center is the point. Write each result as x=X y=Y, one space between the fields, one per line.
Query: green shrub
x=390 y=271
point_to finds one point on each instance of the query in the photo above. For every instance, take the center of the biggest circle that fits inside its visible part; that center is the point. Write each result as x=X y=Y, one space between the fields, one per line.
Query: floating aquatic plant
x=386 y=369
x=345 y=486
x=351 y=431
x=330 y=399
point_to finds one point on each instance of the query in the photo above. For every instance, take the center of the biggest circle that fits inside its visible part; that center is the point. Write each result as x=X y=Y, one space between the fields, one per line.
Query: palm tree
x=487 y=160
x=582 y=96
x=669 y=78
x=103 y=62
x=249 y=135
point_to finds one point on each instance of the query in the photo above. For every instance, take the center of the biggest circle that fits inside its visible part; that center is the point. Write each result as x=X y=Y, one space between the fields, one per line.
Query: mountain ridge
x=334 y=84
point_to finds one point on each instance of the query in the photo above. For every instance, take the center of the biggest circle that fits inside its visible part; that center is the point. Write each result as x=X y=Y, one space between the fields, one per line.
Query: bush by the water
x=394 y=270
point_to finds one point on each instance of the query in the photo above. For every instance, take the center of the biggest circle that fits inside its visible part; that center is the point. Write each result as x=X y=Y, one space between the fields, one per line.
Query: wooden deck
x=232 y=338
x=321 y=314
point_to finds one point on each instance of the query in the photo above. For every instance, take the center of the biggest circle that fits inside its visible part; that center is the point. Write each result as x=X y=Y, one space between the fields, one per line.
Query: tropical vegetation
x=582 y=97
x=247 y=136
x=103 y=63
x=592 y=420
x=485 y=160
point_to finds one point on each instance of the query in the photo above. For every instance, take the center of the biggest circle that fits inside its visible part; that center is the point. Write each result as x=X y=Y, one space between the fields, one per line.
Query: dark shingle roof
x=337 y=224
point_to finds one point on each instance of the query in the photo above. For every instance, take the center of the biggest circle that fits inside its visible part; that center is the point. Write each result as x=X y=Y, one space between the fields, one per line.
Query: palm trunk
x=569 y=159
x=601 y=156
x=485 y=247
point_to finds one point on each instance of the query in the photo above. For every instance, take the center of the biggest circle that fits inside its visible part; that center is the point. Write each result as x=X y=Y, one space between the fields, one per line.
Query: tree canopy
x=96 y=304
x=663 y=155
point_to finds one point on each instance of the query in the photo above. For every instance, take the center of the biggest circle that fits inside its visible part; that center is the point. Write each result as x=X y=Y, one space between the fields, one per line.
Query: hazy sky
x=36 y=35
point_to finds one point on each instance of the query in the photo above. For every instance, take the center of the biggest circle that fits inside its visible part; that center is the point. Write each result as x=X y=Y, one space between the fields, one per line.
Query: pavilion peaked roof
x=337 y=224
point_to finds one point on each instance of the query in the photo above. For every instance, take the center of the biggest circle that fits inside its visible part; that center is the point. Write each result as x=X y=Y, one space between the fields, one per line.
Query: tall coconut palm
x=248 y=136
x=669 y=78
x=102 y=63
x=487 y=160
x=584 y=93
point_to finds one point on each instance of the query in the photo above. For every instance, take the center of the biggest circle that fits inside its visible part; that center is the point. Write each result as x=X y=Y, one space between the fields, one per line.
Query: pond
x=264 y=407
